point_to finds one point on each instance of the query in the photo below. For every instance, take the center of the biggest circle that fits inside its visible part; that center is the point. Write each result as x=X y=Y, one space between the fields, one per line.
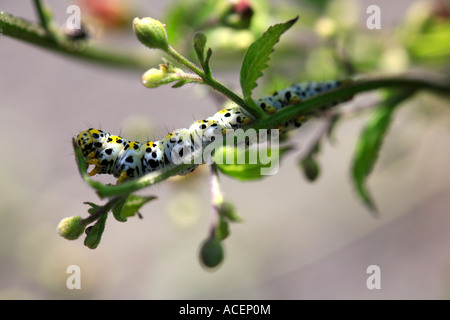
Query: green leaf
x=94 y=207
x=130 y=206
x=199 y=46
x=117 y=210
x=257 y=57
x=211 y=252
x=179 y=84
x=206 y=66
x=222 y=230
x=370 y=142
x=79 y=157
x=247 y=164
x=95 y=233
x=227 y=210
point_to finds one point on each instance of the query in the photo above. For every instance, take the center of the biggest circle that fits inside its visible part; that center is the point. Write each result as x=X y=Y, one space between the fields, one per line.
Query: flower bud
x=152 y=78
x=71 y=228
x=151 y=33
x=310 y=167
x=166 y=73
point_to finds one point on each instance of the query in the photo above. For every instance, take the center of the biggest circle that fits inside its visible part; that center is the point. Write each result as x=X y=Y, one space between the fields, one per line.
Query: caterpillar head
x=91 y=142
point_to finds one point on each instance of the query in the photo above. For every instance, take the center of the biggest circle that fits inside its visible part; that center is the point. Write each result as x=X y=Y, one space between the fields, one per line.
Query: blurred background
x=298 y=240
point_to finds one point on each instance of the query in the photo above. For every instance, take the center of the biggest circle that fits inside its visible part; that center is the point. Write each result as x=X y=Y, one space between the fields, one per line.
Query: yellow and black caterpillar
x=125 y=159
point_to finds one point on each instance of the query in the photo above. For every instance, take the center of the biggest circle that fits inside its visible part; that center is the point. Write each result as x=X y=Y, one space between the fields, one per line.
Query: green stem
x=52 y=30
x=138 y=184
x=209 y=80
x=216 y=198
x=36 y=34
x=43 y=17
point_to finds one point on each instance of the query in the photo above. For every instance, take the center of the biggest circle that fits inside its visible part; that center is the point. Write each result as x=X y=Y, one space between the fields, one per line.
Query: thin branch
x=36 y=34
x=41 y=14
x=216 y=198
x=209 y=80
x=102 y=210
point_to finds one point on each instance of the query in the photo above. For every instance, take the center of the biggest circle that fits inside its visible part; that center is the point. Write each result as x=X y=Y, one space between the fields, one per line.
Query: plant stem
x=102 y=210
x=209 y=80
x=43 y=18
x=216 y=198
x=36 y=34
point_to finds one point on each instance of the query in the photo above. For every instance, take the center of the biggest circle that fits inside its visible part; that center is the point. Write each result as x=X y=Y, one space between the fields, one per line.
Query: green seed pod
x=211 y=253
x=151 y=33
x=310 y=167
x=71 y=228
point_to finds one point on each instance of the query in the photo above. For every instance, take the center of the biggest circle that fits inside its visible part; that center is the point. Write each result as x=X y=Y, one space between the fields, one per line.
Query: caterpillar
x=112 y=154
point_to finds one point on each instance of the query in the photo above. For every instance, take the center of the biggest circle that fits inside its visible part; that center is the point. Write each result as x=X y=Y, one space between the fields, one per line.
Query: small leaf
x=134 y=203
x=206 y=67
x=222 y=230
x=257 y=57
x=95 y=233
x=179 y=84
x=79 y=157
x=117 y=210
x=199 y=46
x=227 y=210
x=94 y=207
x=370 y=141
x=130 y=206
x=211 y=252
